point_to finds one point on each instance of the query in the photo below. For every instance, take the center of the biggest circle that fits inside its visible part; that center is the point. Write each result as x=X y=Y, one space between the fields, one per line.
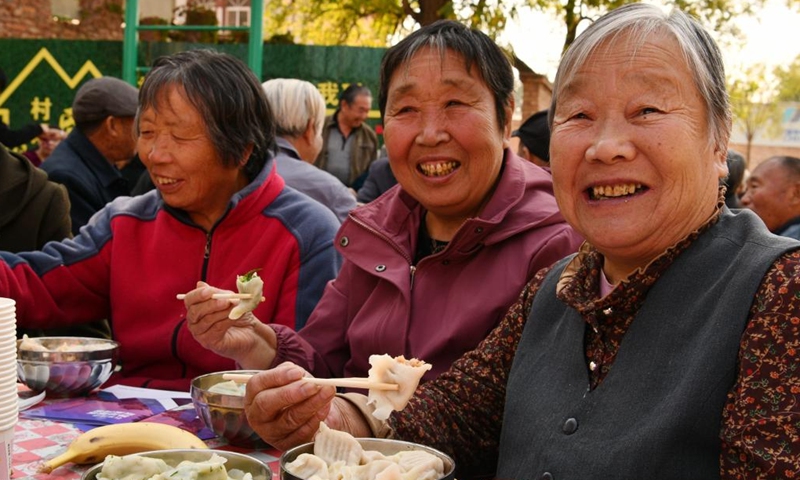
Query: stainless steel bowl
x=64 y=373
x=245 y=463
x=222 y=413
x=382 y=445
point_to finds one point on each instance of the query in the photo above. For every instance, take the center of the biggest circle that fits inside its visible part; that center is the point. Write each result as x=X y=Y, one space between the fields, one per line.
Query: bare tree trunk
x=431 y=10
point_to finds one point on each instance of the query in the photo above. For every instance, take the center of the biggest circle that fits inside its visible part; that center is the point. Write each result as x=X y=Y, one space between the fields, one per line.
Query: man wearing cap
x=87 y=161
x=534 y=140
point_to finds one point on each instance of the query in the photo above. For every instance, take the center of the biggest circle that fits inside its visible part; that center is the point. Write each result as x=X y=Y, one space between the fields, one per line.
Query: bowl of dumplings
x=180 y=464
x=65 y=366
x=220 y=405
x=335 y=454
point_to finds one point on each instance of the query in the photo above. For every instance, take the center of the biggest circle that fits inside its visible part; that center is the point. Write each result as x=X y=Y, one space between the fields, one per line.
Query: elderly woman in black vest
x=667 y=347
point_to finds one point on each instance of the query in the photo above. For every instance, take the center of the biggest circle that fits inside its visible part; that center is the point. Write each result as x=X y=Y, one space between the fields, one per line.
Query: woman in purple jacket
x=431 y=266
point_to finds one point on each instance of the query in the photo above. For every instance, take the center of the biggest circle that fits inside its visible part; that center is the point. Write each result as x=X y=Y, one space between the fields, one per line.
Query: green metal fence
x=43 y=75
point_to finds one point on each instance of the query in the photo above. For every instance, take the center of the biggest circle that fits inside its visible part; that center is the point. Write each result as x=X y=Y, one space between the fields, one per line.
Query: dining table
x=39 y=439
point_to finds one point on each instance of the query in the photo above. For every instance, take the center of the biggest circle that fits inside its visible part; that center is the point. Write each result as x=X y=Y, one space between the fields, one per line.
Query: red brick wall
x=99 y=20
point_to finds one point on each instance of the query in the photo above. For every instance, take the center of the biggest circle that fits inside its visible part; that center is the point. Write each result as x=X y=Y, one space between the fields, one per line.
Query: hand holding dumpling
x=246 y=340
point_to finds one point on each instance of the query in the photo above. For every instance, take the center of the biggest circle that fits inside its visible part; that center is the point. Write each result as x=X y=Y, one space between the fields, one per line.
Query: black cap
x=104 y=97
x=535 y=135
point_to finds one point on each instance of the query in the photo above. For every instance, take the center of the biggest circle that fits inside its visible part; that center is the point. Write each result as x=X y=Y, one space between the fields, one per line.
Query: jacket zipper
x=412 y=268
x=206 y=256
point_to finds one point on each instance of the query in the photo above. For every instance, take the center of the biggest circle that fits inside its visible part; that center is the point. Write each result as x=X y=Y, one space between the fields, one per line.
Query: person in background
x=773 y=193
x=734 y=182
x=34 y=211
x=349 y=145
x=46 y=143
x=666 y=348
x=299 y=114
x=14 y=138
x=86 y=162
x=379 y=179
x=220 y=210
x=431 y=266
x=534 y=140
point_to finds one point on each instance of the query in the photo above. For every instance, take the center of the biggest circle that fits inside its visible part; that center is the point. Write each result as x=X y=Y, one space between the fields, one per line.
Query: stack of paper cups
x=8 y=382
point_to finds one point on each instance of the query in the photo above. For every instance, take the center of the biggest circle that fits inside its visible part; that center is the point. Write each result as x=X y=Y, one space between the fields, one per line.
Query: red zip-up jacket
x=136 y=254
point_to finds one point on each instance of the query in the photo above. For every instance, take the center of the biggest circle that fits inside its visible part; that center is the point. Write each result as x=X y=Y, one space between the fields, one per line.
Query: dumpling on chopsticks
x=252 y=284
x=334 y=446
x=405 y=373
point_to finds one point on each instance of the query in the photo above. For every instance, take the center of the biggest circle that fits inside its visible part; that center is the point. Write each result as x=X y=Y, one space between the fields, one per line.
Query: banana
x=123 y=439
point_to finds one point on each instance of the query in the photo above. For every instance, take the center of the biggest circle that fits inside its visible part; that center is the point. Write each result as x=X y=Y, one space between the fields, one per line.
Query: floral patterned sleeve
x=761 y=421
x=461 y=412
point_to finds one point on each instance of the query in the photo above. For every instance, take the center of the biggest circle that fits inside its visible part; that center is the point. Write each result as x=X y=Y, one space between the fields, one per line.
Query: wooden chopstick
x=352 y=382
x=242 y=296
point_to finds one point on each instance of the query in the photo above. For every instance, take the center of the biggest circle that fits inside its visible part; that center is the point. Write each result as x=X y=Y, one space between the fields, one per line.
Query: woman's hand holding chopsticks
x=285 y=410
x=246 y=340
x=352 y=382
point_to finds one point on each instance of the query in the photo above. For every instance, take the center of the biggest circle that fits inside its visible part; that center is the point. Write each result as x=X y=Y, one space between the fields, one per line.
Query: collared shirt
x=339 y=152
x=759 y=435
x=790 y=229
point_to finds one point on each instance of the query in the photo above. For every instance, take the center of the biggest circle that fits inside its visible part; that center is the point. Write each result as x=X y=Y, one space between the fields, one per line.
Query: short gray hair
x=227 y=95
x=475 y=48
x=641 y=21
x=294 y=102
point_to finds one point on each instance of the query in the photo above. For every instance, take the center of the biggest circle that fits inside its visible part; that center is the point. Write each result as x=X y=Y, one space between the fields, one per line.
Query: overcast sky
x=537 y=39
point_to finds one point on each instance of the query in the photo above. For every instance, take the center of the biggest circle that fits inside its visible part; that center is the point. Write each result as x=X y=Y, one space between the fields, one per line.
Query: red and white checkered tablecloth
x=38 y=440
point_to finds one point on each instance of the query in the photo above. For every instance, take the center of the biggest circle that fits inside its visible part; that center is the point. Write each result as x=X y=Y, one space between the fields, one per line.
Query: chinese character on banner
x=329 y=91
x=40 y=109
x=65 y=120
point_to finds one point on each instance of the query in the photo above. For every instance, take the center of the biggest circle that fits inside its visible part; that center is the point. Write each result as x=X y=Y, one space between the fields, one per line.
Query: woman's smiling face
x=441 y=132
x=182 y=161
x=634 y=167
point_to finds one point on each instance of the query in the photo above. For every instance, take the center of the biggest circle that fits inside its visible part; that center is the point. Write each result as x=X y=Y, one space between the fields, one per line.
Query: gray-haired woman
x=666 y=348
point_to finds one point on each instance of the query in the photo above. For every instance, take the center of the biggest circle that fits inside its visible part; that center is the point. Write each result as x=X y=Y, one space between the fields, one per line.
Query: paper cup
x=9 y=402
x=8 y=419
x=6 y=446
x=9 y=413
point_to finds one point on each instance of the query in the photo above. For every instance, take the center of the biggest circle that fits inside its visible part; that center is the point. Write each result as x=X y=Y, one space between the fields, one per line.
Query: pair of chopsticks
x=241 y=296
x=352 y=382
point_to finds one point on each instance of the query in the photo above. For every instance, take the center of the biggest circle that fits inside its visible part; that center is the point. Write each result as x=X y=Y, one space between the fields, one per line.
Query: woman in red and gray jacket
x=206 y=135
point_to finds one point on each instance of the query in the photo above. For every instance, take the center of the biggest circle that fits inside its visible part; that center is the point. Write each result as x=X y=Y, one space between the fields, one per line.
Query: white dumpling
x=335 y=446
x=374 y=470
x=211 y=469
x=229 y=387
x=248 y=283
x=372 y=456
x=131 y=467
x=420 y=465
x=308 y=466
x=405 y=373
x=391 y=473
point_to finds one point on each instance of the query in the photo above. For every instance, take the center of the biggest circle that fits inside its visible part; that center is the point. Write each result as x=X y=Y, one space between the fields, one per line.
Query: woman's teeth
x=165 y=181
x=608 y=191
x=438 y=169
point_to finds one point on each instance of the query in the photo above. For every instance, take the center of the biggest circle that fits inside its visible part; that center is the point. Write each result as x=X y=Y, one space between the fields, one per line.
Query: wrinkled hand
x=207 y=320
x=286 y=411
